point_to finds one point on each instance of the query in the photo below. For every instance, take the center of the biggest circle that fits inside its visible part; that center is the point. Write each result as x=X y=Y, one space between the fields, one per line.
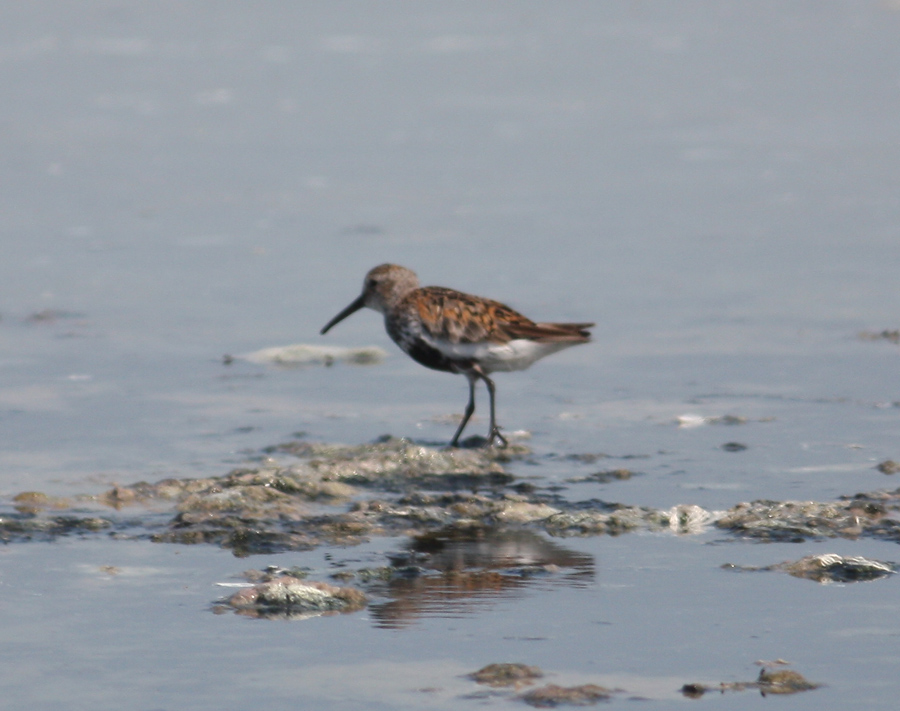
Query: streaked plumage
x=455 y=332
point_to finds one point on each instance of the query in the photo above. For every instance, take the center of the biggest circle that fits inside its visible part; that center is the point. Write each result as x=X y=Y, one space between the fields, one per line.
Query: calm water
x=716 y=184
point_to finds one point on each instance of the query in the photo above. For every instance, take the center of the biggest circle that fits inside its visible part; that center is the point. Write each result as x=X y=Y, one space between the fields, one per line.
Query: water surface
x=715 y=184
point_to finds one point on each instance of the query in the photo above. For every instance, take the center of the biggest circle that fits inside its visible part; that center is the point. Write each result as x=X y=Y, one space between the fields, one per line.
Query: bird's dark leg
x=470 y=408
x=494 y=432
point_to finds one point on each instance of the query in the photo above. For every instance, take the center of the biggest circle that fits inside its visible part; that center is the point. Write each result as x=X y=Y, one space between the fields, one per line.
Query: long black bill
x=352 y=308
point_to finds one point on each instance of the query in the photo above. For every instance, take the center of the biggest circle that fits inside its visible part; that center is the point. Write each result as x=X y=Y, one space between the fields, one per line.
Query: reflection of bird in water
x=450 y=572
x=459 y=333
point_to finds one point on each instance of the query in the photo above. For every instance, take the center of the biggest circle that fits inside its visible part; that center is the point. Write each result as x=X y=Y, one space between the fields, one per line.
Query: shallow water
x=715 y=185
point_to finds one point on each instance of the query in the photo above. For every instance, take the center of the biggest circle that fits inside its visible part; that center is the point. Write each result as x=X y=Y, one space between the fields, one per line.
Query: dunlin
x=459 y=333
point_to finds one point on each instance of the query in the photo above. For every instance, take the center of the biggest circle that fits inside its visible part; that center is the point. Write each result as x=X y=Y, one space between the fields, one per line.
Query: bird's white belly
x=517 y=354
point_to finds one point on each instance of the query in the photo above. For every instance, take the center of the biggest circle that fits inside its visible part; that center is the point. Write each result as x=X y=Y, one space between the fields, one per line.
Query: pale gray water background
x=715 y=183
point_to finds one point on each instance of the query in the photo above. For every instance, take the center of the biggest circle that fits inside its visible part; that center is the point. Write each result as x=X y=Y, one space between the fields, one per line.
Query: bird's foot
x=494 y=434
x=477 y=441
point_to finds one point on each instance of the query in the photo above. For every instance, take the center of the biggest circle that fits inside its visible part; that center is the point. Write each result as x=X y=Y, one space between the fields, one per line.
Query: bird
x=455 y=332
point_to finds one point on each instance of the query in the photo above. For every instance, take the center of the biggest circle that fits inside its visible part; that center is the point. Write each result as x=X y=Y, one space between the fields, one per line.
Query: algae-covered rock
x=690 y=519
x=504 y=674
x=888 y=466
x=29 y=526
x=300 y=480
x=393 y=463
x=251 y=501
x=875 y=514
x=831 y=567
x=277 y=506
x=34 y=501
x=783 y=681
x=790 y=520
x=610 y=519
x=522 y=512
x=288 y=596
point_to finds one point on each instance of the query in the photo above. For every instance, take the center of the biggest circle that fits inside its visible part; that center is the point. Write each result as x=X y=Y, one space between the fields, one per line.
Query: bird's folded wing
x=575 y=332
x=456 y=317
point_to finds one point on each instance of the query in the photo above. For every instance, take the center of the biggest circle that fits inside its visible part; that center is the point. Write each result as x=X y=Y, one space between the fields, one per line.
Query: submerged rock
x=889 y=466
x=604 y=477
x=734 y=447
x=500 y=675
x=552 y=695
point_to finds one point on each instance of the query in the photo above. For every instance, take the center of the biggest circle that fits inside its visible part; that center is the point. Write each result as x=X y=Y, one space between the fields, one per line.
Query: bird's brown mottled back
x=457 y=317
x=460 y=318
